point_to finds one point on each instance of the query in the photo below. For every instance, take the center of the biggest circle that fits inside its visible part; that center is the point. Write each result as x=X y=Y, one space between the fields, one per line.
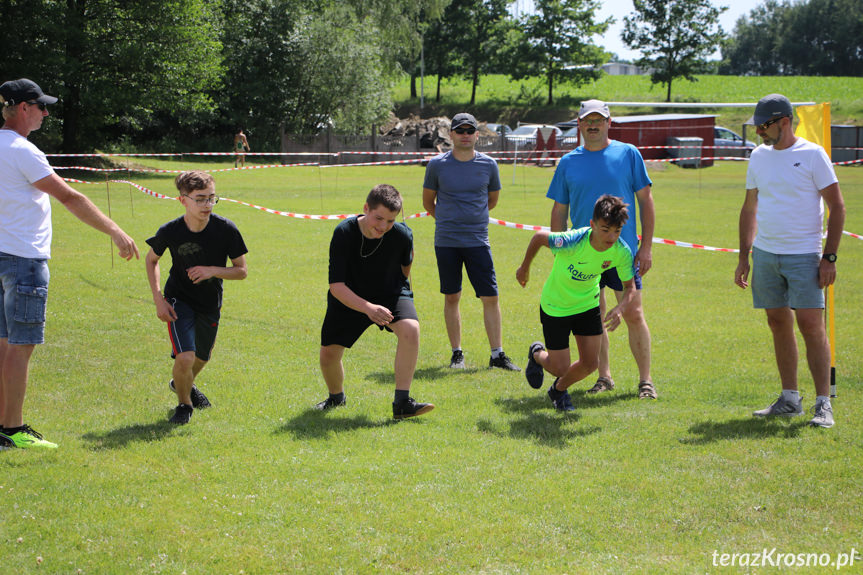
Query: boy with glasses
x=200 y=243
x=460 y=188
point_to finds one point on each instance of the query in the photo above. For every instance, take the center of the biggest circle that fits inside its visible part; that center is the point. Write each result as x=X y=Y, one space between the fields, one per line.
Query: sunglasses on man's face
x=41 y=105
x=767 y=124
x=465 y=130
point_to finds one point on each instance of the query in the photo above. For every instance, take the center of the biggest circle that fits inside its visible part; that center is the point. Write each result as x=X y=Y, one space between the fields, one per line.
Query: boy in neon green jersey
x=570 y=296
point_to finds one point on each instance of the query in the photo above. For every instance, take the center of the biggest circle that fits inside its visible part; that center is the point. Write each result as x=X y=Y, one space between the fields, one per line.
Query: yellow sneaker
x=27 y=438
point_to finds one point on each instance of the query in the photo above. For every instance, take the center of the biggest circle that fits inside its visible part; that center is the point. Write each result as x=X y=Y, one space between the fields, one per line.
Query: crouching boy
x=370 y=260
x=570 y=297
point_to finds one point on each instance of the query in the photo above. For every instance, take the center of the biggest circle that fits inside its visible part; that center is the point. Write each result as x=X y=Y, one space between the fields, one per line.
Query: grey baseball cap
x=462 y=119
x=23 y=90
x=593 y=107
x=771 y=107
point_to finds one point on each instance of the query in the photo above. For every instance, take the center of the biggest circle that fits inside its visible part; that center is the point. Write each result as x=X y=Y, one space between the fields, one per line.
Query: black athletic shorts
x=556 y=330
x=344 y=326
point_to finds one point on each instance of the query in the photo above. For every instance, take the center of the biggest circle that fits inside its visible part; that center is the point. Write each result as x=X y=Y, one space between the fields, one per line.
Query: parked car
x=499 y=128
x=726 y=141
x=525 y=134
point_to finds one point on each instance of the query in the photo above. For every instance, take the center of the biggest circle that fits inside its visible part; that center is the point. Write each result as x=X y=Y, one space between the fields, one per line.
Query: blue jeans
x=24 y=299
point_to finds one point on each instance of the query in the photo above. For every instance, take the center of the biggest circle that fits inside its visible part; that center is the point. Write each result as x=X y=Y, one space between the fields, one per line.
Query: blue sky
x=620 y=8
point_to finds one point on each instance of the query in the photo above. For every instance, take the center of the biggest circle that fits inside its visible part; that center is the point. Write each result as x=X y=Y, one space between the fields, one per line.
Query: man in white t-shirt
x=26 y=182
x=787 y=184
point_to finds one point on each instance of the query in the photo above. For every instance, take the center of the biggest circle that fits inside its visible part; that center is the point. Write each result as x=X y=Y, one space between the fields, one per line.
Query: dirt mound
x=433 y=132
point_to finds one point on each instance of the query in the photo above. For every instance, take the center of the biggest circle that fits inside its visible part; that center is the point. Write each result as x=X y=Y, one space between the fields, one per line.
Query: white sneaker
x=781 y=407
x=823 y=415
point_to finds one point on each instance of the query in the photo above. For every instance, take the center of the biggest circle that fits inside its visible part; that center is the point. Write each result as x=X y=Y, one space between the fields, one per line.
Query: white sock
x=822 y=399
x=791 y=395
x=495 y=352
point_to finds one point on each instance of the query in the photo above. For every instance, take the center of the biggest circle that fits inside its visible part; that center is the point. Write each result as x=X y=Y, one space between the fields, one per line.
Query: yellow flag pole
x=814 y=125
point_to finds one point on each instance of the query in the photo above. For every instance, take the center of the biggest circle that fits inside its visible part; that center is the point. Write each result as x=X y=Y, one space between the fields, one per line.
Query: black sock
x=337 y=397
x=10 y=431
x=555 y=393
x=402 y=395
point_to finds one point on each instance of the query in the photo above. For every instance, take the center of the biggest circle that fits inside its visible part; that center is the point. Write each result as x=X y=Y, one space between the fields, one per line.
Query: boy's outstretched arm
x=538 y=240
x=614 y=315
x=164 y=311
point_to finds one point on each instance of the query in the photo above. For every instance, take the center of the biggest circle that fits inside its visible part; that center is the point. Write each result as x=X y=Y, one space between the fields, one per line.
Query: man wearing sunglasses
x=788 y=181
x=460 y=188
x=26 y=182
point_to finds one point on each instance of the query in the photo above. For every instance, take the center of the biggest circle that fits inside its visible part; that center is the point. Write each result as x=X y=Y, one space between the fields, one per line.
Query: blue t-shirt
x=582 y=177
x=461 y=212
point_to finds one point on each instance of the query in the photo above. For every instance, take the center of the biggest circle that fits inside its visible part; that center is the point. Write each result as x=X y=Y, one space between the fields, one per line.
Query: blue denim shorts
x=24 y=298
x=786 y=280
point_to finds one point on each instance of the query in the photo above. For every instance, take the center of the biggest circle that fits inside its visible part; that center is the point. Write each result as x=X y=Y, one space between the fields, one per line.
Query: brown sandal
x=602 y=384
x=646 y=390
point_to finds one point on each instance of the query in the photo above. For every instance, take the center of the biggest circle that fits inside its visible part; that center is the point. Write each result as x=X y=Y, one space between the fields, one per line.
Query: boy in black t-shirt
x=370 y=261
x=200 y=243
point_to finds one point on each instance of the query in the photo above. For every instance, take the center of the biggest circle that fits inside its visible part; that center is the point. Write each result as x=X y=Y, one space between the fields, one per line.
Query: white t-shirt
x=790 y=212
x=25 y=212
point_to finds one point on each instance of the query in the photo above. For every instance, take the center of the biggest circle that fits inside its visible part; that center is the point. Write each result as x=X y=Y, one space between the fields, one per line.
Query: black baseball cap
x=462 y=119
x=23 y=90
x=770 y=107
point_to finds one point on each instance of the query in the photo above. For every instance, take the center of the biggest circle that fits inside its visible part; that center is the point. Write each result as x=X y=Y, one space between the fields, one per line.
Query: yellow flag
x=814 y=125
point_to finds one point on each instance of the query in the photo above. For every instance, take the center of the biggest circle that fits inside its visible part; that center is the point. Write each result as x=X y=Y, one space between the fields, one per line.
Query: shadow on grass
x=314 y=424
x=538 y=422
x=745 y=428
x=122 y=436
x=427 y=373
x=582 y=399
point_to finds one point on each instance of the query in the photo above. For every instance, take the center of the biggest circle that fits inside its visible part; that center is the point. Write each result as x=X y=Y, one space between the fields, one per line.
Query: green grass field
x=493 y=480
x=500 y=99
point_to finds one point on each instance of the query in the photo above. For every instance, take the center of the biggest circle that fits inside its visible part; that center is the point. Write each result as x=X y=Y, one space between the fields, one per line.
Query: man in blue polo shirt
x=460 y=188
x=605 y=166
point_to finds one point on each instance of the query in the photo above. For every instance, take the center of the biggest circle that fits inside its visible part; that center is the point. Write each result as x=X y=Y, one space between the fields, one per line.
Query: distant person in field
x=460 y=188
x=788 y=181
x=370 y=261
x=200 y=243
x=570 y=297
x=605 y=166
x=241 y=146
x=27 y=182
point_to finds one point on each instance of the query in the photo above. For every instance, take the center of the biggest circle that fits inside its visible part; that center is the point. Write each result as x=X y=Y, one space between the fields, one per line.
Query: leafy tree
x=674 y=37
x=440 y=54
x=555 y=42
x=813 y=38
x=291 y=69
x=118 y=67
x=476 y=29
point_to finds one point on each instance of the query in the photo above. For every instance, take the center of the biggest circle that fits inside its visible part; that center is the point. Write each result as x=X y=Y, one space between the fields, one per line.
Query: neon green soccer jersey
x=572 y=286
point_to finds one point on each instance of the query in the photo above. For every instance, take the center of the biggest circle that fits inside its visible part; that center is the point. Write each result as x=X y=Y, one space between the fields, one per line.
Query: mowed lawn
x=493 y=480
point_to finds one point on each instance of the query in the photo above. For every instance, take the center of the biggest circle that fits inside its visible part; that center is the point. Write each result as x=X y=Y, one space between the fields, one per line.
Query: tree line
x=184 y=74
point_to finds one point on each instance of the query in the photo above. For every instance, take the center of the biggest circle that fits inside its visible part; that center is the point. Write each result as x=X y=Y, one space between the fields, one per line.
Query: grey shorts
x=786 y=280
x=23 y=299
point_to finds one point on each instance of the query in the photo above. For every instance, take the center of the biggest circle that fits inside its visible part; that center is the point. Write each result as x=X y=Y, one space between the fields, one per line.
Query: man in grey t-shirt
x=460 y=188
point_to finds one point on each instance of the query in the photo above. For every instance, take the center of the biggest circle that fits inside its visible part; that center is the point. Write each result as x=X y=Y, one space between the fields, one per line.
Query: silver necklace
x=363 y=245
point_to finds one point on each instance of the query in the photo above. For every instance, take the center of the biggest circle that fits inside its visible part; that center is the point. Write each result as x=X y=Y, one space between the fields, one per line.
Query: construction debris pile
x=433 y=132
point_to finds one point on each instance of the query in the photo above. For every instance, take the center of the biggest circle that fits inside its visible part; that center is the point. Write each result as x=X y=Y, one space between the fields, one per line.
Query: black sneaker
x=199 y=400
x=410 y=408
x=503 y=362
x=6 y=442
x=182 y=415
x=534 y=372
x=563 y=402
x=457 y=360
x=330 y=403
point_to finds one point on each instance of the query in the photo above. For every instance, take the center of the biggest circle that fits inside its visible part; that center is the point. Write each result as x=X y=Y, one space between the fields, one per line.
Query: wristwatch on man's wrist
x=829 y=257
